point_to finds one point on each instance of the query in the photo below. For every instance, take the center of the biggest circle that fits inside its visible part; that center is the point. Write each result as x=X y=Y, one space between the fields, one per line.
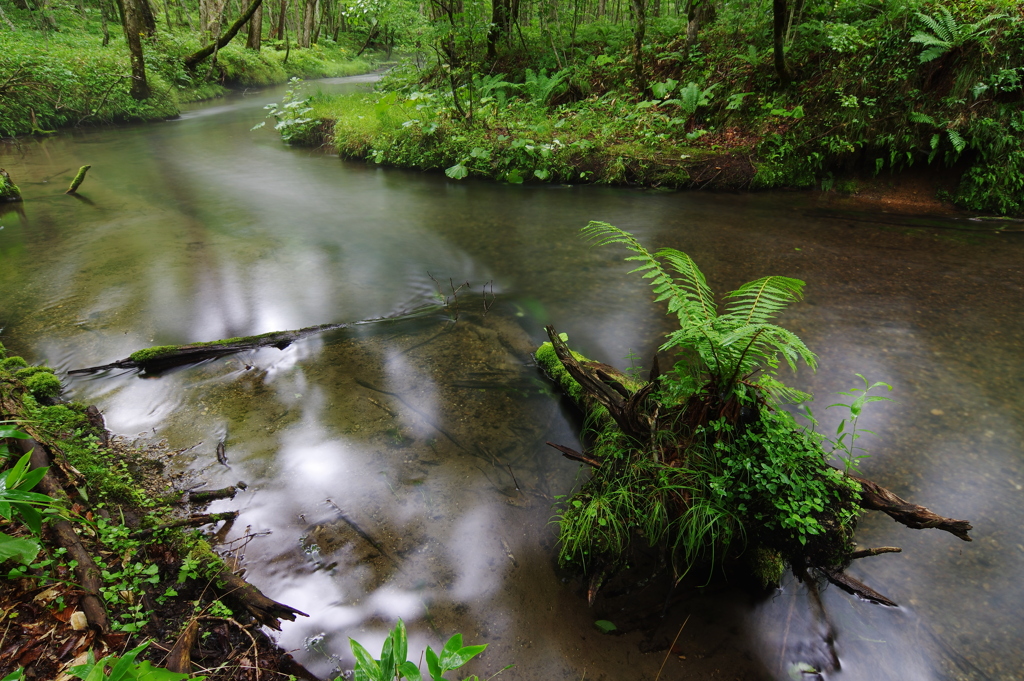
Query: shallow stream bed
x=400 y=470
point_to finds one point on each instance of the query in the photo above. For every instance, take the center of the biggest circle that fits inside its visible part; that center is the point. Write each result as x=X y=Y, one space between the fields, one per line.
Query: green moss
x=68 y=427
x=32 y=371
x=43 y=385
x=767 y=565
x=12 y=363
x=3 y=351
x=8 y=190
x=149 y=354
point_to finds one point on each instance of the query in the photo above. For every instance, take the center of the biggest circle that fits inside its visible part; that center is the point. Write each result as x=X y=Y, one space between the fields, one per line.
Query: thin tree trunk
x=778 y=39
x=3 y=17
x=640 y=16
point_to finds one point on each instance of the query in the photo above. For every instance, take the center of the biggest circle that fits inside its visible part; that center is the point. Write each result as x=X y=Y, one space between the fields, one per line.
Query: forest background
x=684 y=93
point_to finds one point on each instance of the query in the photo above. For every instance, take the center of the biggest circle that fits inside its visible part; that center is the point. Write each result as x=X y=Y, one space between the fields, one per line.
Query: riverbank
x=70 y=79
x=100 y=562
x=862 y=97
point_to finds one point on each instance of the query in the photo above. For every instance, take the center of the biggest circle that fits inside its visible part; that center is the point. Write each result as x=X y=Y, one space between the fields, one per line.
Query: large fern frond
x=758 y=301
x=693 y=282
x=689 y=298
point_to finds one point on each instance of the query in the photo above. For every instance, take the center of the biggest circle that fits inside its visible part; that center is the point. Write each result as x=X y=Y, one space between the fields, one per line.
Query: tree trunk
x=778 y=39
x=640 y=16
x=148 y=18
x=255 y=30
x=133 y=31
x=193 y=60
x=306 y=34
x=501 y=26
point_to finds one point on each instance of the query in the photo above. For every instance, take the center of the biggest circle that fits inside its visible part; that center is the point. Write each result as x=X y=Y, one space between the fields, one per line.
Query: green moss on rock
x=25 y=373
x=13 y=363
x=43 y=385
x=8 y=190
x=3 y=351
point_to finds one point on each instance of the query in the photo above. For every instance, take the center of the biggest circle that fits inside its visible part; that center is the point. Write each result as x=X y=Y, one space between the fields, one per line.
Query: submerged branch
x=856 y=587
x=570 y=453
x=166 y=356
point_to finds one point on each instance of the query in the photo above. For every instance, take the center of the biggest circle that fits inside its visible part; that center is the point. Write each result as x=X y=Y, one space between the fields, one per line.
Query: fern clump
x=703 y=463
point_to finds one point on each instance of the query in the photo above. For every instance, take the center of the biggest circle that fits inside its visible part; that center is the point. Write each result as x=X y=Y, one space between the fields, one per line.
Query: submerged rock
x=8 y=190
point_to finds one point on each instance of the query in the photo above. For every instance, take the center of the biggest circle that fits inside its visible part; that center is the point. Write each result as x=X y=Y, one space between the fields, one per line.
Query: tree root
x=263 y=609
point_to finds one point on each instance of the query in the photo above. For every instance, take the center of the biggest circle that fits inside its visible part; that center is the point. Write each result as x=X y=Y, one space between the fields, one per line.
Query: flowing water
x=400 y=470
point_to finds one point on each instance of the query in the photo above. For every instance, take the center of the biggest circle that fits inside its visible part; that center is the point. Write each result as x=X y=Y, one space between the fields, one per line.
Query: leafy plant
x=18 y=501
x=847 y=432
x=125 y=668
x=394 y=665
x=692 y=97
x=717 y=465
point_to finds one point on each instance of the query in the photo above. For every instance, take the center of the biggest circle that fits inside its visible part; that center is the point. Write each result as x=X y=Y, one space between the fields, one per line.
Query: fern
x=731 y=346
x=540 y=87
x=948 y=34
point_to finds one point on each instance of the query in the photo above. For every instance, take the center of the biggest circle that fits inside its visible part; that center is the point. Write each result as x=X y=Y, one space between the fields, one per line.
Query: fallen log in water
x=162 y=357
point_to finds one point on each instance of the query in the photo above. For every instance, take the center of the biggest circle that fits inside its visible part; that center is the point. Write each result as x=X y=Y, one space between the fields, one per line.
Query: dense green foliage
x=722 y=469
x=868 y=89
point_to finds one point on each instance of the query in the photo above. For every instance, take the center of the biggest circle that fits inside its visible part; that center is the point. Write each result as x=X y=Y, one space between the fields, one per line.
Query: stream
x=400 y=470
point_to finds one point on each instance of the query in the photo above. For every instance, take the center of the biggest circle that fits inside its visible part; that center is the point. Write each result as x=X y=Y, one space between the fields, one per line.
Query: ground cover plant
x=95 y=557
x=704 y=463
x=708 y=94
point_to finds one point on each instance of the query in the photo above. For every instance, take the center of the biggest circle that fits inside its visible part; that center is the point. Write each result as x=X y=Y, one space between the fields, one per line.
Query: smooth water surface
x=400 y=470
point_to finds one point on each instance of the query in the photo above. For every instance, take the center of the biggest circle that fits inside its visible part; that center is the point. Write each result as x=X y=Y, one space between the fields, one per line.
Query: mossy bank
x=866 y=93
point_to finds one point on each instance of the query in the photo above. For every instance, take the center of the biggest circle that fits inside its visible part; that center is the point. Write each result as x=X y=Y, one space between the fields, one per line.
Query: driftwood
x=876 y=498
x=163 y=357
x=263 y=609
x=180 y=658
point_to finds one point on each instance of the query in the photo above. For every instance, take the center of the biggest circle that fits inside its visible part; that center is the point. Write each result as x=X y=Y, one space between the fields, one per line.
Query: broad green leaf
x=408 y=670
x=22 y=550
x=433 y=666
x=123 y=670
x=365 y=662
x=12 y=431
x=457 y=171
x=401 y=643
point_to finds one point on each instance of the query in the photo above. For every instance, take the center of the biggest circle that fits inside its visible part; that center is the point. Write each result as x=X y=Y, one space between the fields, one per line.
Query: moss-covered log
x=162 y=357
x=629 y=428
